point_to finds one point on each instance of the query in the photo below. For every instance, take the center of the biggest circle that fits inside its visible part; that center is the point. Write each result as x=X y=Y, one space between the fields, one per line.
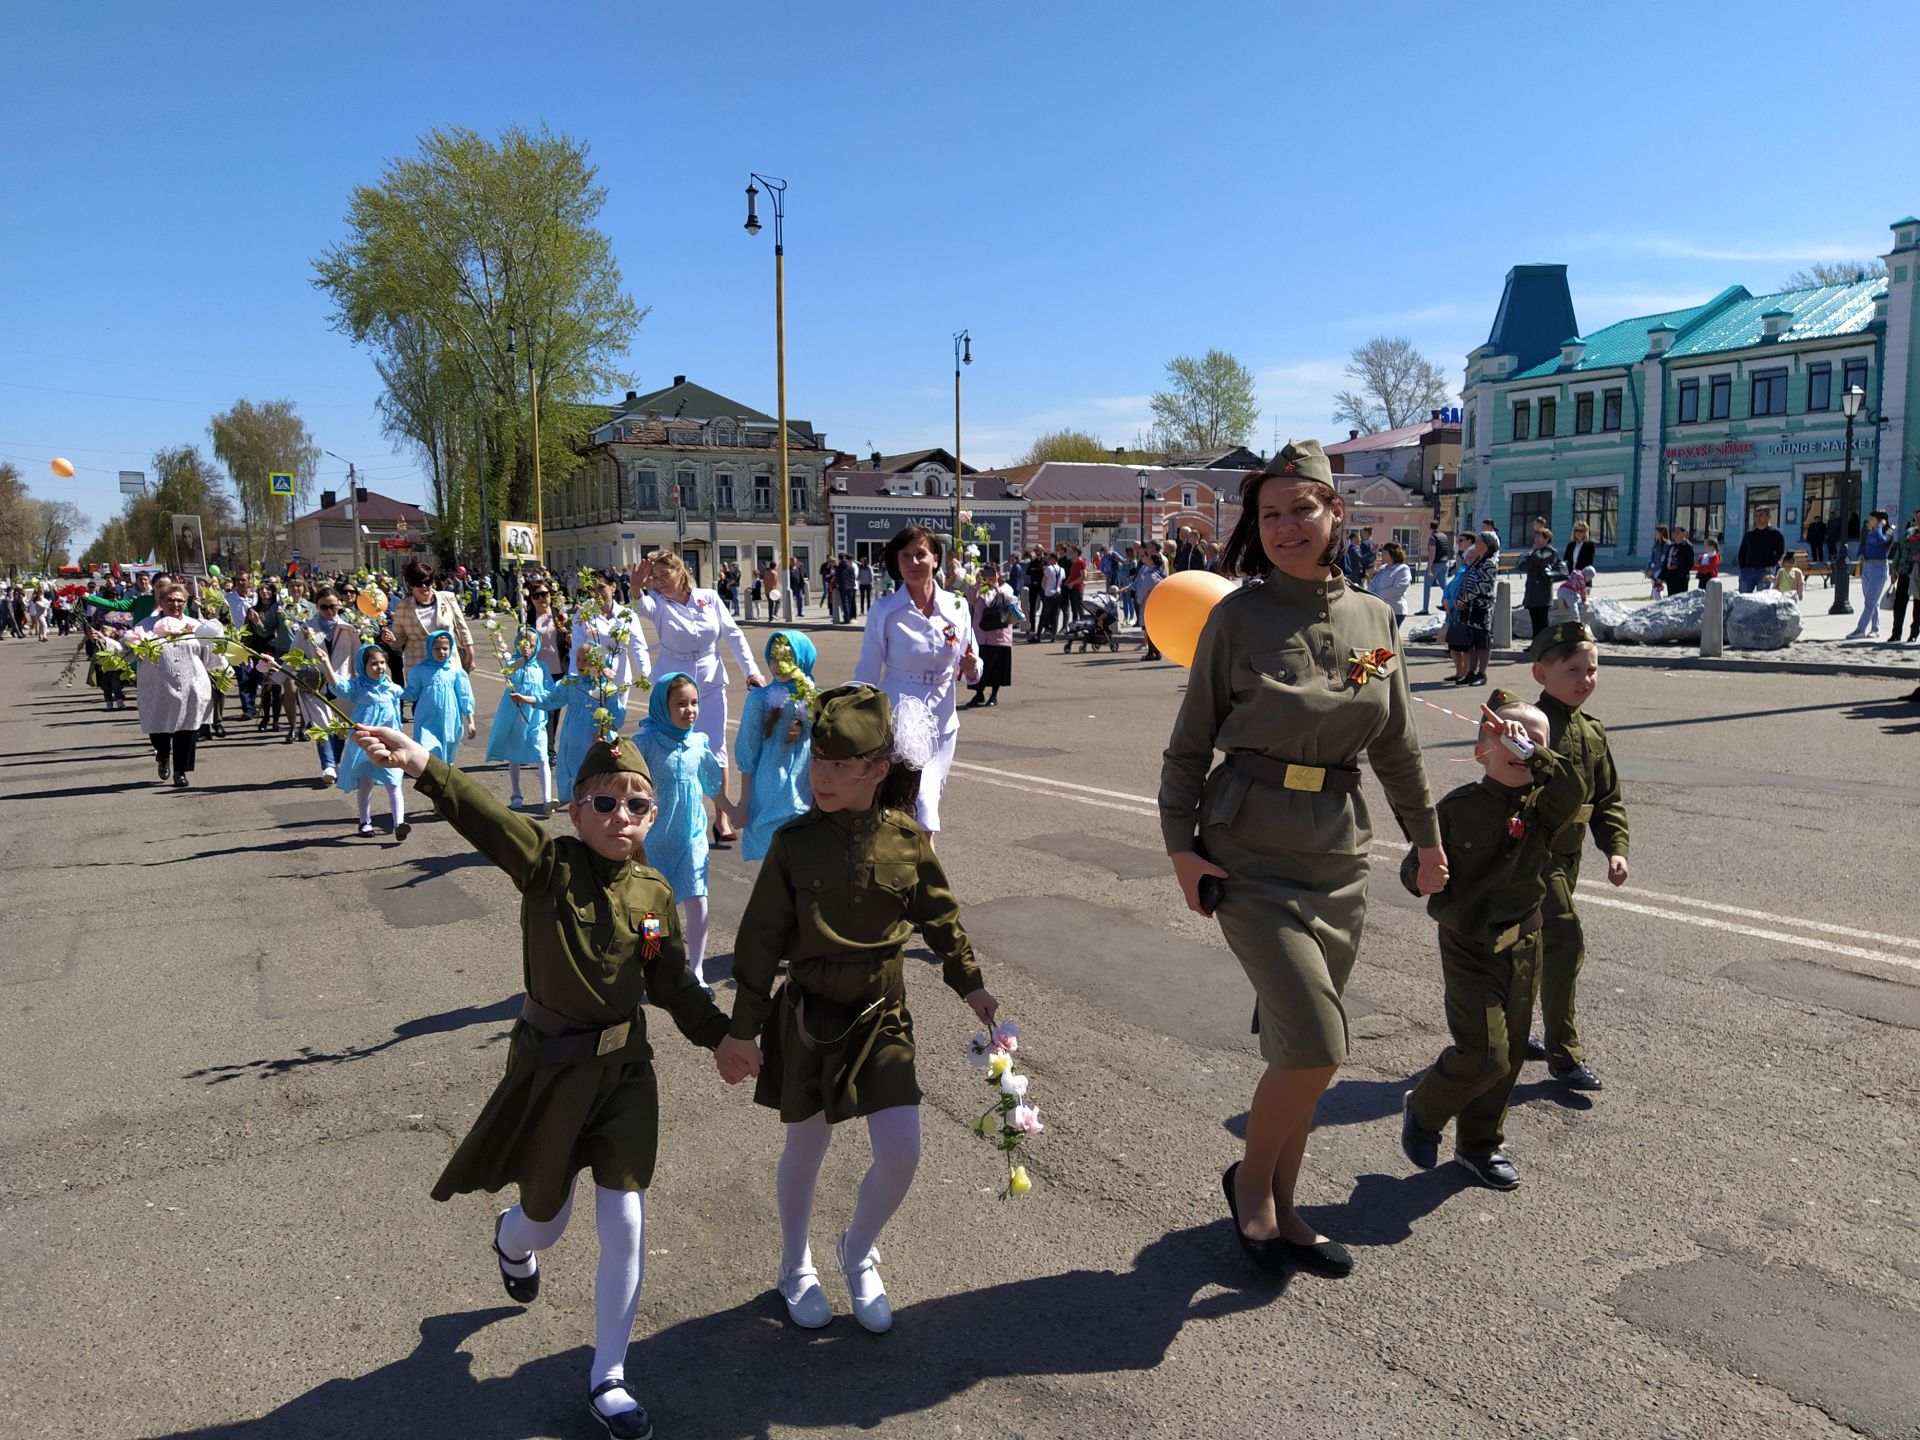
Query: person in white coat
x=691 y=625
x=176 y=692
x=615 y=631
x=918 y=640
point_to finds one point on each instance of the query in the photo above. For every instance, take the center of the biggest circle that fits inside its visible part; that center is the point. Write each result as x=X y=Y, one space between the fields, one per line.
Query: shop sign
x=1831 y=445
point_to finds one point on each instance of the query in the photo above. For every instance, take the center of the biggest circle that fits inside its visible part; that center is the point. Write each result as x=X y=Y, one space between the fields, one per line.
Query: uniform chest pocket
x=896 y=877
x=1291 y=667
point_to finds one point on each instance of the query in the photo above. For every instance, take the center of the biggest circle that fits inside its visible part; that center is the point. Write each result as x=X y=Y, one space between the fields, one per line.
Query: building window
x=1471 y=427
x=1065 y=535
x=1720 y=397
x=1583 y=413
x=1854 y=374
x=763 y=493
x=1522 y=419
x=1610 y=410
x=723 y=491
x=797 y=487
x=1525 y=507
x=1187 y=497
x=646 y=490
x=1689 y=402
x=1820 y=387
x=1762 y=497
x=1819 y=496
x=1598 y=508
x=1769 y=393
x=1700 y=506
x=1549 y=412
x=687 y=489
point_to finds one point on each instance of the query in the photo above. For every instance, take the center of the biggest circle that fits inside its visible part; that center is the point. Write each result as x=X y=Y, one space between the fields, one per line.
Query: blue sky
x=1090 y=188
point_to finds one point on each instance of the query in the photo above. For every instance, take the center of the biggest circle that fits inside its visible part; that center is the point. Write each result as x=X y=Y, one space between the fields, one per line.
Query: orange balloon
x=371 y=603
x=1177 y=611
x=63 y=467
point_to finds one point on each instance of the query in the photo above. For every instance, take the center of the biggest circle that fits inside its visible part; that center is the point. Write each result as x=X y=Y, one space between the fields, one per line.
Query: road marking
x=1707 y=922
x=1153 y=806
x=1822 y=926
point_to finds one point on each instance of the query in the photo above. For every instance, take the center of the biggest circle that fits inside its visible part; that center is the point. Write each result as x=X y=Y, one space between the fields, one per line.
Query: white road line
x=1601 y=887
x=1152 y=805
x=1707 y=922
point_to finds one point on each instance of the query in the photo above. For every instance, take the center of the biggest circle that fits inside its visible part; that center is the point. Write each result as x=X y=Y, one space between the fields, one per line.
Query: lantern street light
x=962 y=355
x=777 y=193
x=1146 y=494
x=1841 y=566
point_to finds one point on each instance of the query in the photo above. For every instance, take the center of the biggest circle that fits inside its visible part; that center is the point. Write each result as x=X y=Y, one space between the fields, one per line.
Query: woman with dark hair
x=1292 y=679
x=268 y=636
x=424 y=609
x=917 y=640
x=1470 y=622
x=995 y=613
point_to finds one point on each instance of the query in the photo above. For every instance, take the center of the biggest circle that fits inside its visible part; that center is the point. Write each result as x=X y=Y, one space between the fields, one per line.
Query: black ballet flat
x=1266 y=1254
x=631 y=1424
x=524 y=1289
x=1323 y=1257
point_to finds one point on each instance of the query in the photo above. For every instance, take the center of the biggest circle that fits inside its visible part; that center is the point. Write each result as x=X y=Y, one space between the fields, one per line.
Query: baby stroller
x=1100 y=625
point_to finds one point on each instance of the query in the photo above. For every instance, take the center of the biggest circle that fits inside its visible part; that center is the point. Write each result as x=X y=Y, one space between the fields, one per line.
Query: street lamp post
x=777 y=192
x=1841 y=567
x=1146 y=494
x=962 y=355
x=353 y=510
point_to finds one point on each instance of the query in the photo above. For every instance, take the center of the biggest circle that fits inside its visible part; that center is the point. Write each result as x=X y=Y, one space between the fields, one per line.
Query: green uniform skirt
x=1293 y=920
x=869 y=1070
x=546 y=1123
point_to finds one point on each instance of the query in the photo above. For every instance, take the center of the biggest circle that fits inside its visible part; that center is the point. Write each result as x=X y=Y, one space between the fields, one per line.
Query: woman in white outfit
x=691 y=623
x=176 y=691
x=918 y=639
x=615 y=630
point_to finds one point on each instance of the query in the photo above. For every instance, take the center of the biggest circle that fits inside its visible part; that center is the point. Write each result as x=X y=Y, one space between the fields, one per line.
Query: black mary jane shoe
x=1267 y=1254
x=524 y=1289
x=631 y=1424
x=1323 y=1257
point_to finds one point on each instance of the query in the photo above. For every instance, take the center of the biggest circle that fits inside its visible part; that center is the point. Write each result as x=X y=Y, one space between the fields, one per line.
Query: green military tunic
x=1583 y=740
x=1271 y=679
x=837 y=898
x=1489 y=917
x=582 y=956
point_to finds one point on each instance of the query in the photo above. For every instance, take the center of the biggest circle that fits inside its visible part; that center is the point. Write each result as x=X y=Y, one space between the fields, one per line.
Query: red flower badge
x=1516 y=827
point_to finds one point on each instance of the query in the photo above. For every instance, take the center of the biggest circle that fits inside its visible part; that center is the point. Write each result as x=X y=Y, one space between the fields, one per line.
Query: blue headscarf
x=525 y=632
x=363 y=682
x=427 y=660
x=658 y=721
x=803 y=656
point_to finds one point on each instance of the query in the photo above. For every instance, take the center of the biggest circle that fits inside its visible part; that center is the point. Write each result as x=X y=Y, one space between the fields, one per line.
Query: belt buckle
x=613 y=1038
x=1311 y=778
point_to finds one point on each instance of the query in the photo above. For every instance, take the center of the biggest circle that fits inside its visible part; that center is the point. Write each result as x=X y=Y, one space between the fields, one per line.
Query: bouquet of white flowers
x=1010 y=1121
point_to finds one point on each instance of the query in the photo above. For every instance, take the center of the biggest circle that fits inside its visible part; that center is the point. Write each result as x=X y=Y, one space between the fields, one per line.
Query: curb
x=1649 y=658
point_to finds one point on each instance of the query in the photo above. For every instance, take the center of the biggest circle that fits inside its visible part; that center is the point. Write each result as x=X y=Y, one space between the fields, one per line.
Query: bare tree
x=1209 y=402
x=56 y=522
x=1398 y=385
x=253 y=442
x=1835 y=272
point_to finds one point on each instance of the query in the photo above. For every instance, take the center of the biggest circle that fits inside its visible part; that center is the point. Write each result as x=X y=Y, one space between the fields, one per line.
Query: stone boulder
x=1673 y=621
x=1522 y=625
x=1765 y=620
x=1604 y=615
x=1424 y=629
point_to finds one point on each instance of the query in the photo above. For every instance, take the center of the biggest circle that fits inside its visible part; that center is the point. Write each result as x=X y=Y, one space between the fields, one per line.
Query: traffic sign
x=296 y=552
x=281 y=484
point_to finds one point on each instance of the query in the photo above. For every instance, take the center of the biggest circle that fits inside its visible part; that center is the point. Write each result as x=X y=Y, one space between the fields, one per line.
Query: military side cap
x=1557 y=639
x=1302 y=460
x=850 y=721
x=612 y=757
x=1503 y=697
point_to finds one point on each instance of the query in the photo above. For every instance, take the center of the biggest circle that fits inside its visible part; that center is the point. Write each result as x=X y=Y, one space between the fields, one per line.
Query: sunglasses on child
x=637 y=805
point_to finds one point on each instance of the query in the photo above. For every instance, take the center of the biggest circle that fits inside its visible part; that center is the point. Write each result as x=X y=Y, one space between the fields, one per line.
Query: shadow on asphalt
x=1382 y=1208
x=743 y=1371
x=323 y=842
x=440 y=1024
x=1888 y=712
x=1551 y=1091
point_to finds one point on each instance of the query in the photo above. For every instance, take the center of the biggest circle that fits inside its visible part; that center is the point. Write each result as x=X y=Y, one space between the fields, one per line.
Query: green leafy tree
x=16 y=519
x=255 y=441
x=474 y=273
x=1835 y=272
x=55 y=524
x=1064 y=445
x=1208 y=402
x=1398 y=386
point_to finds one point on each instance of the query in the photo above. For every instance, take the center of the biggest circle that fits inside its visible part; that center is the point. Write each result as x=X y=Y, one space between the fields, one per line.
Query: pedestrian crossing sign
x=281 y=484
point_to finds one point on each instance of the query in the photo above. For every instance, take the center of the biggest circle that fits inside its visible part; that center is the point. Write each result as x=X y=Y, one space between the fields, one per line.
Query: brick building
x=1072 y=502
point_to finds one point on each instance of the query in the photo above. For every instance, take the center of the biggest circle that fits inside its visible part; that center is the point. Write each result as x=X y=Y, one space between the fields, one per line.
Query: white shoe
x=329 y=774
x=865 y=1289
x=807 y=1304
x=515 y=801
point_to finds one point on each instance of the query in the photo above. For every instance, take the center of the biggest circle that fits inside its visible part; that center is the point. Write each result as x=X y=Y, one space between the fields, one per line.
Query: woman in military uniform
x=1293 y=679
x=842 y=890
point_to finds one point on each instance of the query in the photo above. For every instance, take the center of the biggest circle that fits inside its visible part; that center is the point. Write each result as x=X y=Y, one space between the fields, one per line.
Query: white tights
x=395 y=802
x=693 y=921
x=620 y=1217
x=895 y=1136
x=546 y=778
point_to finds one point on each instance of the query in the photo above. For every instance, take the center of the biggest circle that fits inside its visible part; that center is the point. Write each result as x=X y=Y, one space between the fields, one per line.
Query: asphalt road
x=243 y=1042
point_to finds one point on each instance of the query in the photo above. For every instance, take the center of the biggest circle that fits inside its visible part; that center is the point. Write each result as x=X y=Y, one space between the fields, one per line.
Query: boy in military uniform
x=842 y=890
x=1566 y=665
x=1495 y=833
x=599 y=936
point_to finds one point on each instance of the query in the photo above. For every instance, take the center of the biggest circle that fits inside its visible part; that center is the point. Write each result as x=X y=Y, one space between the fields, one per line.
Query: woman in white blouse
x=918 y=639
x=613 y=629
x=691 y=624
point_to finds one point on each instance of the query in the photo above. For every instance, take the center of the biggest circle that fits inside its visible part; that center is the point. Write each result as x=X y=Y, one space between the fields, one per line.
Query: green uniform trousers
x=1563 y=952
x=1489 y=1002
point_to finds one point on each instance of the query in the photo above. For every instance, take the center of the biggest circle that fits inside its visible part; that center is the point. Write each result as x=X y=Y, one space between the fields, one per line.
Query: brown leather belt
x=1289 y=776
x=834 y=1014
x=564 y=1041
x=1514 y=934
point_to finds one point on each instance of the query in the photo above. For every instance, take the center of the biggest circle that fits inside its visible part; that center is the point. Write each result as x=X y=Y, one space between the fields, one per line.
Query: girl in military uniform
x=842 y=890
x=1293 y=679
x=599 y=935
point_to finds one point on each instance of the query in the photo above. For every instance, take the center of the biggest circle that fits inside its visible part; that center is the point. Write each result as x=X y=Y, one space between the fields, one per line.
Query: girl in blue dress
x=591 y=688
x=519 y=734
x=375 y=700
x=771 y=749
x=685 y=771
x=442 y=699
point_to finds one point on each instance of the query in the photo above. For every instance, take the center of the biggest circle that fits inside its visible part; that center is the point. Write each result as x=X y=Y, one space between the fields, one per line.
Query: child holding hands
x=685 y=771
x=442 y=699
x=599 y=936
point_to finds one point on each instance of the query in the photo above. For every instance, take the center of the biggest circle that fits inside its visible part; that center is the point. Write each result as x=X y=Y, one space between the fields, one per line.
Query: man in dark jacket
x=1679 y=567
x=1760 y=551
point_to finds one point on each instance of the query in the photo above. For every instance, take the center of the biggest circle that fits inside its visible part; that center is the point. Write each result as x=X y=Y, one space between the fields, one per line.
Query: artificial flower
x=1014 y=1085
x=1017 y=1181
x=998 y=1064
x=1025 y=1119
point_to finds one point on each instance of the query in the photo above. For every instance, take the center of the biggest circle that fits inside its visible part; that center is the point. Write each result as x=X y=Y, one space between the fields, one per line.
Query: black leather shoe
x=180 y=783
x=1576 y=1076
x=1267 y=1254
x=1536 y=1048
x=628 y=1424
x=1422 y=1145
x=524 y=1289
x=1323 y=1257
x=164 y=772
x=1494 y=1171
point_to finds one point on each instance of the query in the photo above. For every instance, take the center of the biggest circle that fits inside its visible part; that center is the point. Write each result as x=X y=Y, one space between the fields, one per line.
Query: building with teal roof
x=1700 y=416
